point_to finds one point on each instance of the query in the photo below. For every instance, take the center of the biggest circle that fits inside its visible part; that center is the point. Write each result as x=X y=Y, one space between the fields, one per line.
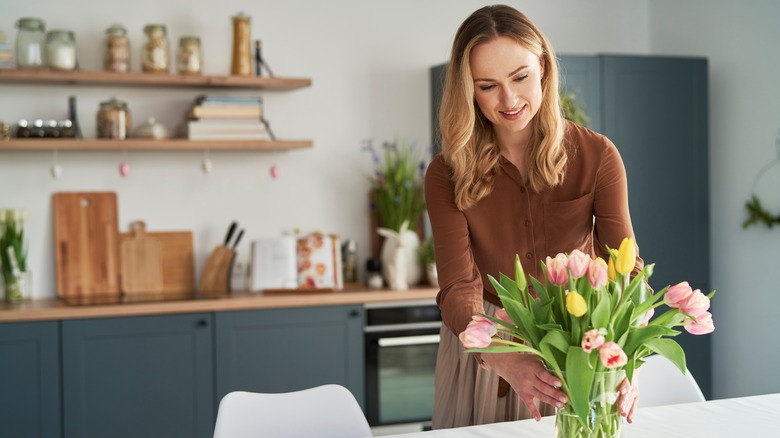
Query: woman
x=513 y=177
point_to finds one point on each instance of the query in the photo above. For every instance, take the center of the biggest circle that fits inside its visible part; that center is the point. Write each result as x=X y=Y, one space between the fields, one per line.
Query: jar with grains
x=241 y=64
x=30 y=41
x=117 y=55
x=61 y=50
x=113 y=120
x=190 y=56
x=155 y=54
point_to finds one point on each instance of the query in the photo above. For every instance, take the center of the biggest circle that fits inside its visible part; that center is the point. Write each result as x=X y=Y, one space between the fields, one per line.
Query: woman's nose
x=508 y=97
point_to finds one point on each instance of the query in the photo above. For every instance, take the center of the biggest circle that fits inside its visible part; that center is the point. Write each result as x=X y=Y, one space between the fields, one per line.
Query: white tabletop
x=736 y=417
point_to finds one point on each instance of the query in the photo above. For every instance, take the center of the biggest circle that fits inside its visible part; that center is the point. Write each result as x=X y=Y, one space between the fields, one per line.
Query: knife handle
x=238 y=238
x=230 y=232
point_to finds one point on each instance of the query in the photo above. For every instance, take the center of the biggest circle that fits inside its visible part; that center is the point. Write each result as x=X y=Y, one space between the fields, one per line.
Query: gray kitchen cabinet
x=148 y=376
x=655 y=110
x=282 y=350
x=30 y=379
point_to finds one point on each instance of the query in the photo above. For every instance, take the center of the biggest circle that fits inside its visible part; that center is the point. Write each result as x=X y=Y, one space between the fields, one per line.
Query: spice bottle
x=242 y=46
x=155 y=54
x=61 y=50
x=117 y=55
x=30 y=41
x=190 y=56
x=113 y=120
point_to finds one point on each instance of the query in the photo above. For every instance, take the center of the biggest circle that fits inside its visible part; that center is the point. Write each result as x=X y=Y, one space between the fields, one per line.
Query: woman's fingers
x=529 y=403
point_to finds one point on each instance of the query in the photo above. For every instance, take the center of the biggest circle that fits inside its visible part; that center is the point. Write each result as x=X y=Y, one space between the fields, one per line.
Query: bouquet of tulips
x=590 y=323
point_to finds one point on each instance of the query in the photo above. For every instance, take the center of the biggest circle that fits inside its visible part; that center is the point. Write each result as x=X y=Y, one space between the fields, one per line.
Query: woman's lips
x=513 y=114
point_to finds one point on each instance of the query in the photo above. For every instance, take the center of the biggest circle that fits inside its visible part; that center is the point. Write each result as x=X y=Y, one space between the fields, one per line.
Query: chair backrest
x=324 y=411
x=662 y=383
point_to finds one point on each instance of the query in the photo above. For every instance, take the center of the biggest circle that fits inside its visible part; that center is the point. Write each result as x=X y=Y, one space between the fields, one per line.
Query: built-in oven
x=401 y=343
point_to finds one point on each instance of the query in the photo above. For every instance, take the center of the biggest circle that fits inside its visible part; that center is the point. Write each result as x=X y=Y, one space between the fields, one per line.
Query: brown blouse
x=588 y=211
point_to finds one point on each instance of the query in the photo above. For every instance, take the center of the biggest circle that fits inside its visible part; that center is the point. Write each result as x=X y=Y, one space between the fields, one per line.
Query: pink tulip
x=649 y=314
x=503 y=316
x=702 y=327
x=592 y=339
x=578 y=263
x=597 y=273
x=556 y=270
x=696 y=305
x=612 y=356
x=478 y=333
x=677 y=294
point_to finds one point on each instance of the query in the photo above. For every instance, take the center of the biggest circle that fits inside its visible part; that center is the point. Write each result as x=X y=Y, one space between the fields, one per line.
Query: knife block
x=215 y=278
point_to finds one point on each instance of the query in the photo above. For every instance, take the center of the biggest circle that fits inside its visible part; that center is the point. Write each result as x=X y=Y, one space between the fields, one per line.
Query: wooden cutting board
x=141 y=258
x=86 y=244
x=177 y=261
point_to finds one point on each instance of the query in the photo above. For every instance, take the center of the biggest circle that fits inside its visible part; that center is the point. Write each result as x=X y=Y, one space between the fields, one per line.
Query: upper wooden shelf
x=84 y=77
x=151 y=145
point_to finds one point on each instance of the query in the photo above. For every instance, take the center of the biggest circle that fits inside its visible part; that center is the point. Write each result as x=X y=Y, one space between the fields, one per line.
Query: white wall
x=740 y=39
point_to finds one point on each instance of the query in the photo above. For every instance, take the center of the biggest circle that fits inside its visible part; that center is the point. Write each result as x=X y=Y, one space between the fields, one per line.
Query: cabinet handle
x=202 y=323
x=354 y=313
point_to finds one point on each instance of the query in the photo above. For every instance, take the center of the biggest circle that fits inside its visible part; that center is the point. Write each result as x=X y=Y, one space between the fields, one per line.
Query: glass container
x=61 y=50
x=242 y=49
x=30 y=41
x=113 y=120
x=155 y=53
x=117 y=54
x=190 y=56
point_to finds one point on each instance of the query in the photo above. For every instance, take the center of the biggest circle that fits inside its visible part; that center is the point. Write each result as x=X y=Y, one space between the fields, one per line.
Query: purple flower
x=407 y=184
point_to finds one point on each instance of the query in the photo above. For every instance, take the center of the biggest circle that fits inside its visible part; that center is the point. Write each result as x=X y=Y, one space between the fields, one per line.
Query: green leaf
x=579 y=376
x=543 y=311
x=638 y=336
x=622 y=323
x=541 y=291
x=556 y=339
x=600 y=316
x=669 y=349
x=511 y=287
x=504 y=349
x=525 y=320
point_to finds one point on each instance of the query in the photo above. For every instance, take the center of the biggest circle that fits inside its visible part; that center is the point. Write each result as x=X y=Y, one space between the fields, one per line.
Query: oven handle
x=408 y=340
x=401 y=327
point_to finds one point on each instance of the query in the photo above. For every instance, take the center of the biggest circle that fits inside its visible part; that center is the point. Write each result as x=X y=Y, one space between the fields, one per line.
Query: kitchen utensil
x=86 y=244
x=178 y=261
x=215 y=278
x=141 y=262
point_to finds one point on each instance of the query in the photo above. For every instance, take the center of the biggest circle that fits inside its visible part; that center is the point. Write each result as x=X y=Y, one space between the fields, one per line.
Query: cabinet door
x=148 y=376
x=282 y=350
x=30 y=379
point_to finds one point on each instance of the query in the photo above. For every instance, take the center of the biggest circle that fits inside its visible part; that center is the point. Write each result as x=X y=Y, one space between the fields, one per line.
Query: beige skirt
x=466 y=393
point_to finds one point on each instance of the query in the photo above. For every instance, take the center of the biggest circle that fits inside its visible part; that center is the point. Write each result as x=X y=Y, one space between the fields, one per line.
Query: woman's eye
x=486 y=87
x=520 y=78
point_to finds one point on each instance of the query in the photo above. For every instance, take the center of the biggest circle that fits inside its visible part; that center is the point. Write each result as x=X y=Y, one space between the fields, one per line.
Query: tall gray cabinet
x=655 y=110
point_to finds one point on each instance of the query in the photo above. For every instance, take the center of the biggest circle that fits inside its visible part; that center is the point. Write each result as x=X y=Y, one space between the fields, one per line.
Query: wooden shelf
x=84 y=77
x=151 y=145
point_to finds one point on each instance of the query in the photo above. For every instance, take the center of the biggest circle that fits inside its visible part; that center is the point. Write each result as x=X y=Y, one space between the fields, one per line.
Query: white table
x=736 y=417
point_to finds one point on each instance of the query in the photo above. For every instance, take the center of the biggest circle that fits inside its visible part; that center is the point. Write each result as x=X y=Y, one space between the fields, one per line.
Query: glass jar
x=117 y=55
x=190 y=56
x=61 y=50
x=113 y=120
x=155 y=53
x=29 y=43
x=242 y=49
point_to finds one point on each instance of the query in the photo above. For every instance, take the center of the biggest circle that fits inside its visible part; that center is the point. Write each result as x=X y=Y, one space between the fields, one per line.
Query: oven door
x=400 y=365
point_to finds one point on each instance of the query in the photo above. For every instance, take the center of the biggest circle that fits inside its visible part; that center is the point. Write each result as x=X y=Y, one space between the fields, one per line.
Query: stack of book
x=6 y=53
x=226 y=118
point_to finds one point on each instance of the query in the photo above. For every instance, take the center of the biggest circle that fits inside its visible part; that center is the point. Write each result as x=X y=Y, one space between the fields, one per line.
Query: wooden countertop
x=55 y=309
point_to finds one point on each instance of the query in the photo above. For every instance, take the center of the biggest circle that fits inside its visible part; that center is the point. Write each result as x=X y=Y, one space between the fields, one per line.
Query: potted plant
x=428 y=259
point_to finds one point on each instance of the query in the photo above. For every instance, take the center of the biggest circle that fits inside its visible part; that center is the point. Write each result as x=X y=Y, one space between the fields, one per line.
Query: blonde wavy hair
x=468 y=141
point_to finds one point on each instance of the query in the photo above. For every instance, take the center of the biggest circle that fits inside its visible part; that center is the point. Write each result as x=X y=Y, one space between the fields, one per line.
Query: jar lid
x=30 y=23
x=60 y=34
x=113 y=103
x=154 y=28
x=241 y=16
x=116 y=29
x=189 y=40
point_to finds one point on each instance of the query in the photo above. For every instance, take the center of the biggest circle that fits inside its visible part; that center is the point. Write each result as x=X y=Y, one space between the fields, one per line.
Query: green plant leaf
x=541 y=291
x=511 y=286
x=638 y=336
x=579 y=376
x=600 y=316
x=669 y=349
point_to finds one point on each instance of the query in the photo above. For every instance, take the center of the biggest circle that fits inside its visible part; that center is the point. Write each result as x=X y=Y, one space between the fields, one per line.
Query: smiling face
x=507 y=84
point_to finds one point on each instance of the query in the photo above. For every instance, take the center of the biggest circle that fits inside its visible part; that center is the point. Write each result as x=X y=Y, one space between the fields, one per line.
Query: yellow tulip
x=575 y=304
x=626 y=258
x=611 y=270
x=520 y=274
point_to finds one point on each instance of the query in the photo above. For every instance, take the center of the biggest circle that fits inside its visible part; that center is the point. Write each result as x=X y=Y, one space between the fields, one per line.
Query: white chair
x=662 y=383
x=324 y=411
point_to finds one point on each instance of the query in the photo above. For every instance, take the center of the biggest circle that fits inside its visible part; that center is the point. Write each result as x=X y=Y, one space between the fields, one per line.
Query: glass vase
x=603 y=419
x=18 y=288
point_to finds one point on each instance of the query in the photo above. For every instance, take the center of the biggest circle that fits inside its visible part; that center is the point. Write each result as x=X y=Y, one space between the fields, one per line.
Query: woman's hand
x=628 y=398
x=526 y=374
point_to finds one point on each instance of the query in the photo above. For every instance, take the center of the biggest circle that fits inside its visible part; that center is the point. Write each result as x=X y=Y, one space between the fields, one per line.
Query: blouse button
x=528 y=255
x=526 y=222
x=522 y=189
